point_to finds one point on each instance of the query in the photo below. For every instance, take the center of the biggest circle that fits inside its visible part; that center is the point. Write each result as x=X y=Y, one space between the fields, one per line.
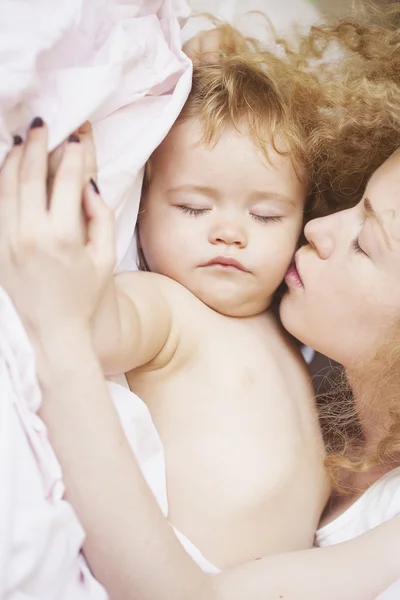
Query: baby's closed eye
x=191 y=210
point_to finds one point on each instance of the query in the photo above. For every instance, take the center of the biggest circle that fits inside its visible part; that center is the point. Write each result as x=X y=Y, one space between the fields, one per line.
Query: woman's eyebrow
x=370 y=212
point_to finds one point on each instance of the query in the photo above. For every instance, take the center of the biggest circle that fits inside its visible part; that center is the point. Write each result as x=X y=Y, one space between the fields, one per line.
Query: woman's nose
x=319 y=234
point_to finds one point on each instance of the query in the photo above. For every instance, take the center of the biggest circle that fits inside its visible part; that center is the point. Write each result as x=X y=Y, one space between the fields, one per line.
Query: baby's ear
x=210 y=46
x=204 y=47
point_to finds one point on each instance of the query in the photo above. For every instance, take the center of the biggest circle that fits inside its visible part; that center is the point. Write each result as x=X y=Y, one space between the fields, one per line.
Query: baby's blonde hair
x=255 y=91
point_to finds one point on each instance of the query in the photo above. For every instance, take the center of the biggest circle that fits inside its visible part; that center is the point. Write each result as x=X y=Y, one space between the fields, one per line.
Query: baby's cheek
x=273 y=274
x=159 y=252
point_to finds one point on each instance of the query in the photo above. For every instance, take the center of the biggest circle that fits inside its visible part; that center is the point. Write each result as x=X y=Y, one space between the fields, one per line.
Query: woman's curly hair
x=357 y=62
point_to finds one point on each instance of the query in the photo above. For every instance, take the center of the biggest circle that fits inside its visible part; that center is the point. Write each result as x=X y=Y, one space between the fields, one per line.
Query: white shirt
x=377 y=505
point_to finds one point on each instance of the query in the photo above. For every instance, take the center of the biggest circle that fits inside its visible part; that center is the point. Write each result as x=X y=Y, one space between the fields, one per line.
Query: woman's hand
x=54 y=272
x=85 y=134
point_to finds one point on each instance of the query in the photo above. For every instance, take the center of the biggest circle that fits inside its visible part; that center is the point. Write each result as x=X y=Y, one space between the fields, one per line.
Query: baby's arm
x=130 y=546
x=133 y=322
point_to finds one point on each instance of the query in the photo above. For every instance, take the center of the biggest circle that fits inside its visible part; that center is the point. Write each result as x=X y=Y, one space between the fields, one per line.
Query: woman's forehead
x=383 y=188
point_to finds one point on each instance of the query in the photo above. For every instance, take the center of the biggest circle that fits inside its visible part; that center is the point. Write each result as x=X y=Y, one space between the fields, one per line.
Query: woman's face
x=344 y=293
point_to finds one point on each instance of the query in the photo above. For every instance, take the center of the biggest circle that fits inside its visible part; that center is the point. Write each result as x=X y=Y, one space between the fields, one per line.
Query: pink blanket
x=120 y=65
x=117 y=63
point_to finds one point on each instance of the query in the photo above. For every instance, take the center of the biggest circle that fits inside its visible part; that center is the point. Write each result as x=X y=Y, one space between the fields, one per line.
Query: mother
x=343 y=299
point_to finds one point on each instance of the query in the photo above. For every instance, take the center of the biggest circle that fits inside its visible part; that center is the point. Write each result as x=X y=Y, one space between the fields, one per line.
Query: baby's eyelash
x=195 y=212
x=274 y=219
x=357 y=248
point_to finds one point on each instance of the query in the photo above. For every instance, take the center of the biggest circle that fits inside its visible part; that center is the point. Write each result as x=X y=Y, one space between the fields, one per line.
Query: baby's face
x=220 y=220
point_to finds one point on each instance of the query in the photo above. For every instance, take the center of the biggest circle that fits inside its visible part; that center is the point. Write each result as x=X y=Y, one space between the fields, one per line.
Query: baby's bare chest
x=237 y=422
x=239 y=396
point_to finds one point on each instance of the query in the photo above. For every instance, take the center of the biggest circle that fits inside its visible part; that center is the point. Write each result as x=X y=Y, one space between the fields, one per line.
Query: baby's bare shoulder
x=189 y=314
x=131 y=280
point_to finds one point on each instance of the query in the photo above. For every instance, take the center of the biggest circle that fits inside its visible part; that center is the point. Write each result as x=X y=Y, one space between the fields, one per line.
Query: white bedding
x=119 y=64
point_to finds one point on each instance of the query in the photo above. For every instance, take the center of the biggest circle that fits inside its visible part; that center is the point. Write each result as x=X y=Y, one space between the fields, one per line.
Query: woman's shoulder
x=378 y=504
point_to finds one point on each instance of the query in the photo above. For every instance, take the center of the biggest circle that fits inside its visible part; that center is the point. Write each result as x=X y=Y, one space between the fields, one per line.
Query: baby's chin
x=226 y=297
x=235 y=306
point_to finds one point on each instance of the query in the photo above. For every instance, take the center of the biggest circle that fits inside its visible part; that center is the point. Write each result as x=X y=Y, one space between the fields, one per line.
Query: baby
x=221 y=213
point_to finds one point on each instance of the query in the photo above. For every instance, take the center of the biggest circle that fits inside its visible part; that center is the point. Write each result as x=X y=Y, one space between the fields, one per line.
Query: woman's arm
x=130 y=546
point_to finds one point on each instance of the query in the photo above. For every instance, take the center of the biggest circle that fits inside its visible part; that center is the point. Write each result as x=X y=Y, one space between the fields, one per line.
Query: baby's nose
x=229 y=234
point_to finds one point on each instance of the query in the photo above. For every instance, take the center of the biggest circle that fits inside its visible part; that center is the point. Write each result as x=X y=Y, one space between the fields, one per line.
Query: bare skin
x=225 y=394
x=230 y=398
x=352 y=260
x=128 y=539
x=223 y=410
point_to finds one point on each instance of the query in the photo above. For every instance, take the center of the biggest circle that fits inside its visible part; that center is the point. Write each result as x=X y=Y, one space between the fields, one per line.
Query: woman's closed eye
x=355 y=244
x=194 y=212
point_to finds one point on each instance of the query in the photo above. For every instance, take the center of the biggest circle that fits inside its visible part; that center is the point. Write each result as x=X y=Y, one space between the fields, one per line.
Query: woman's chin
x=285 y=310
x=292 y=319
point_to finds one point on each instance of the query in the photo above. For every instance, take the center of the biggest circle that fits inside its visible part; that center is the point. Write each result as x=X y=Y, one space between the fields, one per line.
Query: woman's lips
x=292 y=277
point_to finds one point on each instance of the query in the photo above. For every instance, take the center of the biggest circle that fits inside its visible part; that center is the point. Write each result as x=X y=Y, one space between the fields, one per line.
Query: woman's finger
x=66 y=200
x=54 y=161
x=9 y=188
x=89 y=152
x=84 y=132
x=100 y=228
x=33 y=175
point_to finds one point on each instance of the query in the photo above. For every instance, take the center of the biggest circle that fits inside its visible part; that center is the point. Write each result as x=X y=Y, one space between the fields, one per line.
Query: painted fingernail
x=17 y=140
x=94 y=186
x=73 y=138
x=37 y=122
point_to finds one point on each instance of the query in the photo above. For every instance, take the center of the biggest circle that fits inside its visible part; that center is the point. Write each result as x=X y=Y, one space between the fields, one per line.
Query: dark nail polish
x=74 y=139
x=17 y=140
x=37 y=122
x=94 y=186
